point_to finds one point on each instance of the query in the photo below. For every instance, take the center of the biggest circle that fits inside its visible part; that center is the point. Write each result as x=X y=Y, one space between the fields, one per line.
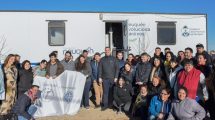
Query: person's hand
x=160 y=116
x=139 y=83
x=115 y=80
x=205 y=98
x=100 y=80
x=47 y=76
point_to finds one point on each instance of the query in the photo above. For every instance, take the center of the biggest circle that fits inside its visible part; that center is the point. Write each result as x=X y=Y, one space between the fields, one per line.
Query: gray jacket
x=187 y=109
x=108 y=68
x=68 y=65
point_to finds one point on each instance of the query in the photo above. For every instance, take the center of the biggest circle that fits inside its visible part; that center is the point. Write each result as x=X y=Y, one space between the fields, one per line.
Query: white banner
x=61 y=95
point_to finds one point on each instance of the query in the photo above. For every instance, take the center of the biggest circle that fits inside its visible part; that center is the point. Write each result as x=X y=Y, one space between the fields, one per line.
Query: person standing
x=143 y=70
x=209 y=73
x=25 y=78
x=84 y=67
x=108 y=74
x=95 y=74
x=200 y=50
x=67 y=62
x=41 y=69
x=54 y=68
x=194 y=81
x=120 y=60
x=10 y=73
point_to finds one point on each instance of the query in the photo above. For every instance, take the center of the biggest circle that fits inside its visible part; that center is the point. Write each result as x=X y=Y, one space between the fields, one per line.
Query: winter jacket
x=155 y=90
x=108 y=68
x=95 y=70
x=121 y=63
x=21 y=106
x=141 y=102
x=157 y=106
x=87 y=71
x=143 y=72
x=172 y=78
x=122 y=95
x=60 y=69
x=188 y=109
x=25 y=80
x=70 y=65
x=128 y=76
x=194 y=81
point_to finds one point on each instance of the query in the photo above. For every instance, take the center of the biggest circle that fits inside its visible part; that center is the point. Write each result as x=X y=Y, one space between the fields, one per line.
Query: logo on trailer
x=185 y=31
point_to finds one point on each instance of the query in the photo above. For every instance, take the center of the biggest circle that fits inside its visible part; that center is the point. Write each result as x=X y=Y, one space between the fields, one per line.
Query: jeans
x=98 y=91
x=85 y=98
x=31 y=110
x=107 y=92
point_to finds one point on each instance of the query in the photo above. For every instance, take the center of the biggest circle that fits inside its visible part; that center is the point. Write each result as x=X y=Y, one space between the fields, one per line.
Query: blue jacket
x=95 y=70
x=156 y=106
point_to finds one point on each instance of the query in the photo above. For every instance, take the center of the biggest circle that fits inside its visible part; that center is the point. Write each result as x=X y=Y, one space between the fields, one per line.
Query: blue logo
x=185 y=31
x=68 y=96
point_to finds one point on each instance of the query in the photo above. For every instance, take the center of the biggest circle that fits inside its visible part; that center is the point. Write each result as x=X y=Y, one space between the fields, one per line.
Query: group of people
x=163 y=86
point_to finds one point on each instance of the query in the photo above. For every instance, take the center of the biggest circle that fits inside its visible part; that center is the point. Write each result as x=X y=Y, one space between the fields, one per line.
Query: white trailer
x=34 y=34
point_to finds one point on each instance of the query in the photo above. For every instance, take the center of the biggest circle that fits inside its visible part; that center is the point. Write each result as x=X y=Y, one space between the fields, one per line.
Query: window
x=56 y=33
x=166 y=33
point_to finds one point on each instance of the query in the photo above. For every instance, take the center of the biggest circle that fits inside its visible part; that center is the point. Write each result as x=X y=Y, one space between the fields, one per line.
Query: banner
x=61 y=95
x=2 y=90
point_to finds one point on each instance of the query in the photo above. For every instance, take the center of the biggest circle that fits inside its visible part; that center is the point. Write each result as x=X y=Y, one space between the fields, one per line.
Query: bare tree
x=3 y=45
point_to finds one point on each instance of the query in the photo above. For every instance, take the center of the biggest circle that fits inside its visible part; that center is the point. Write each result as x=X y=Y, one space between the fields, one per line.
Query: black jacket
x=153 y=91
x=143 y=71
x=128 y=76
x=108 y=68
x=122 y=95
x=25 y=80
x=22 y=105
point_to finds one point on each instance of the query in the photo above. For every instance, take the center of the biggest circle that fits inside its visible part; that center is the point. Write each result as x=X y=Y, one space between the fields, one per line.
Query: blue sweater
x=156 y=106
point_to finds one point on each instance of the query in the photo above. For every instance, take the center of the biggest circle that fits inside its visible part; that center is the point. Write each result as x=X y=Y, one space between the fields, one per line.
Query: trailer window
x=56 y=33
x=166 y=33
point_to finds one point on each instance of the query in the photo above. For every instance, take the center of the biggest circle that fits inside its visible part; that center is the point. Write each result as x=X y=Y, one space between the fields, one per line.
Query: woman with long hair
x=10 y=79
x=25 y=78
x=122 y=95
x=84 y=67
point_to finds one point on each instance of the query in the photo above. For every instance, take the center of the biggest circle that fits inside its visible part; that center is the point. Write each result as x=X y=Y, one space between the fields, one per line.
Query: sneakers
x=119 y=112
x=88 y=107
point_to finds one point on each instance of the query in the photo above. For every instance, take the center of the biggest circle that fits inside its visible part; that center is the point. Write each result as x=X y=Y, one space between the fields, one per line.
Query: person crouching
x=24 y=107
x=122 y=95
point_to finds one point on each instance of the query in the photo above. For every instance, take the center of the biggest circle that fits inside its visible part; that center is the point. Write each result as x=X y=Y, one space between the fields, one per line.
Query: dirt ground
x=92 y=114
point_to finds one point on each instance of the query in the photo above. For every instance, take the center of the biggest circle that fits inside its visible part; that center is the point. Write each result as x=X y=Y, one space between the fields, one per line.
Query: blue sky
x=160 y=6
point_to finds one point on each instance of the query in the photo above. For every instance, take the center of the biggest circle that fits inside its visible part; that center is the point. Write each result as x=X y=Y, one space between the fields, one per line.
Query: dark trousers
x=125 y=106
x=107 y=92
x=142 y=112
x=21 y=92
x=85 y=98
